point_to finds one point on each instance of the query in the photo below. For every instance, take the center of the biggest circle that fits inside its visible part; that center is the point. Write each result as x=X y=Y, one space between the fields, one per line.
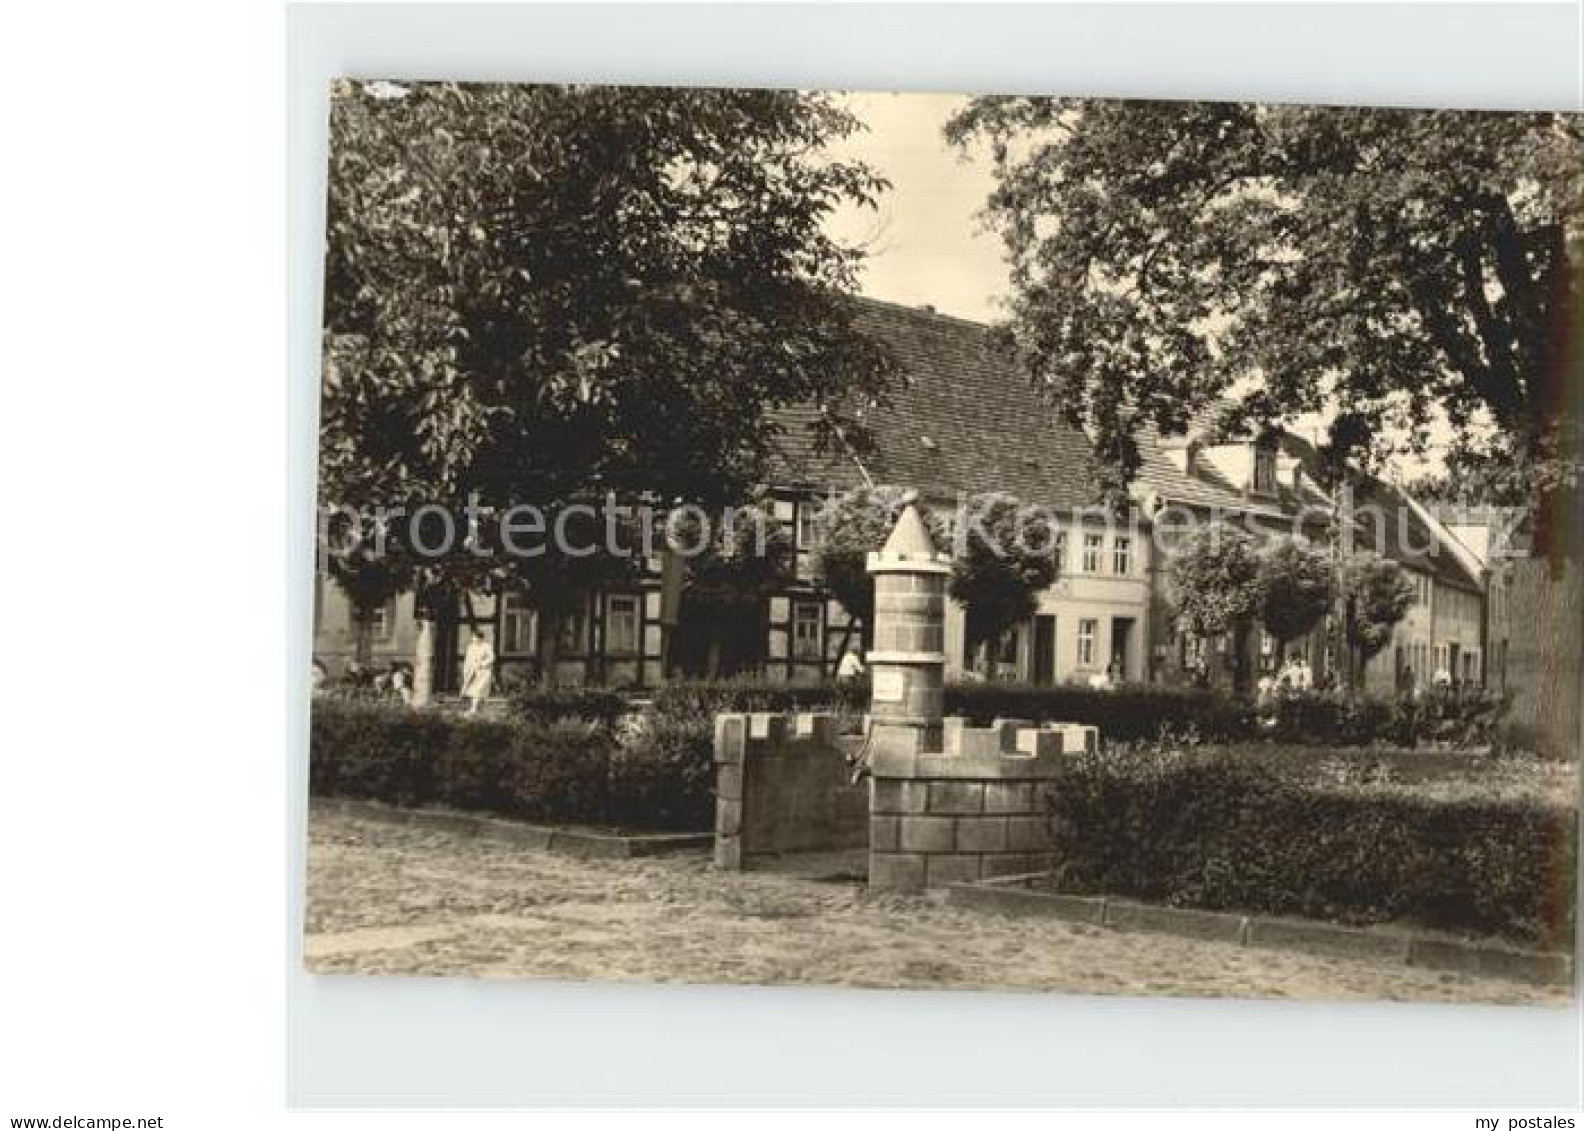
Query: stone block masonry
x=782 y=784
x=975 y=810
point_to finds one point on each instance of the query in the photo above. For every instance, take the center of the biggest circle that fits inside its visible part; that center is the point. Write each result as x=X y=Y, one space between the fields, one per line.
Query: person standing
x=851 y=668
x=478 y=670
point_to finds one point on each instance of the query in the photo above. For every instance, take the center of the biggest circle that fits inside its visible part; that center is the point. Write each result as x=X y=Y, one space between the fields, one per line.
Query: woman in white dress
x=478 y=669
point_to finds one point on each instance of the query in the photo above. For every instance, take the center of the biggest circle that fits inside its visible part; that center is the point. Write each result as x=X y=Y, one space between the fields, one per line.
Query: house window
x=806 y=630
x=382 y=620
x=808 y=530
x=573 y=637
x=1007 y=649
x=1061 y=551
x=1122 y=557
x=1091 y=552
x=519 y=626
x=621 y=624
x=1086 y=643
x=1264 y=470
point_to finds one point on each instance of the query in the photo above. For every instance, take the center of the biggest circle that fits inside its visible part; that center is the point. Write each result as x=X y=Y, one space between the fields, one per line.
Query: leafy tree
x=1399 y=265
x=1376 y=595
x=1214 y=581
x=544 y=294
x=851 y=526
x=370 y=582
x=1003 y=556
x=1296 y=586
x=740 y=564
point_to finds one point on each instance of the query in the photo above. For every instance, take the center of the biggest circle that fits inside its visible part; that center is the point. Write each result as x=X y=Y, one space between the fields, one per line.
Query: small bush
x=1125 y=714
x=692 y=697
x=1454 y=719
x=564 y=771
x=554 y=704
x=666 y=771
x=1208 y=830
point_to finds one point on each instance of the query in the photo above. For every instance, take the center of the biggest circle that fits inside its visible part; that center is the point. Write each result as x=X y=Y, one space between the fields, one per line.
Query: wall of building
x=1101 y=596
x=1444 y=627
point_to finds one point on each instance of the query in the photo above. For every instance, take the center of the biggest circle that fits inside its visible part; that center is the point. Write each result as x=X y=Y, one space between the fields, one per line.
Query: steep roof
x=1391 y=522
x=961 y=419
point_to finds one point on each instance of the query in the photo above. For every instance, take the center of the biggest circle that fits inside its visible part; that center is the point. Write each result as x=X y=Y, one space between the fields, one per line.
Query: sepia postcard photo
x=947 y=542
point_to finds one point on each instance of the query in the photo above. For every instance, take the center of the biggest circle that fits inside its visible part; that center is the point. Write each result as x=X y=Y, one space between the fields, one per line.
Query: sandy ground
x=385 y=898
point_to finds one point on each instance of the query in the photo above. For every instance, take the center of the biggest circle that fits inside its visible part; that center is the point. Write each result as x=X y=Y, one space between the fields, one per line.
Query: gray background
x=415 y=1042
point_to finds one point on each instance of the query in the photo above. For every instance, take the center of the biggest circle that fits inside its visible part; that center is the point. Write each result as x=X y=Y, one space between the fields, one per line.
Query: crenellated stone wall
x=974 y=810
x=946 y=803
x=783 y=785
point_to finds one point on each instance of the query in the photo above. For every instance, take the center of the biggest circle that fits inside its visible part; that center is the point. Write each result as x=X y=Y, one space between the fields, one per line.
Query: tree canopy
x=1004 y=555
x=541 y=294
x=1296 y=586
x=1214 y=580
x=1376 y=595
x=1403 y=268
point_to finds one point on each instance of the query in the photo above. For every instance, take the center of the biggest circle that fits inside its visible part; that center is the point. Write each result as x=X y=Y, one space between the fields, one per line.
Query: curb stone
x=569 y=842
x=1012 y=895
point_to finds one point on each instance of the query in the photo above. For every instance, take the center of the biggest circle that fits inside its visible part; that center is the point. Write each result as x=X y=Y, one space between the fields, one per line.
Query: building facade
x=959 y=423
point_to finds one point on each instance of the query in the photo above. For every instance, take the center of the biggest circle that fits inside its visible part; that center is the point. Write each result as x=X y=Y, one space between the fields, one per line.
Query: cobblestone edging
x=1011 y=895
x=569 y=841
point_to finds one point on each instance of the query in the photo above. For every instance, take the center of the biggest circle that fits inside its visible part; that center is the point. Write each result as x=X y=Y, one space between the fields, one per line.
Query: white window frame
x=612 y=646
x=805 y=533
x=1093 y=550
x=807 y=647
x=382 y=621
x=1264 y=470
x=1088 y=632
x=518 y=620
x=1060 y=551
x=1122 y=556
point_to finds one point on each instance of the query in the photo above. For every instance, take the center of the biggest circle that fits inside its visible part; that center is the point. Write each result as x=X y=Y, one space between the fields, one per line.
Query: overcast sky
x=926 y=245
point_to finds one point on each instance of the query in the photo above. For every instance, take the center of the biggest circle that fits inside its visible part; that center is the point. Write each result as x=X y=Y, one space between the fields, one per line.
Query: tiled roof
x=1404 y=534
x=1206 y=487
x=962 y=419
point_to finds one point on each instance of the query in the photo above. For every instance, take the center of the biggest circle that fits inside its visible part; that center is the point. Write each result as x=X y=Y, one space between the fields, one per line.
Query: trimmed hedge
x=1460 y=719
x=546 y=705
x=660 y=777
x=684 y=698
x=1206 y=830
x=1125 y=714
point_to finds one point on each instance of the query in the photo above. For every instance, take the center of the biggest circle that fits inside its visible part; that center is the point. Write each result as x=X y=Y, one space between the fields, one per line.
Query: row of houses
x=961 y=422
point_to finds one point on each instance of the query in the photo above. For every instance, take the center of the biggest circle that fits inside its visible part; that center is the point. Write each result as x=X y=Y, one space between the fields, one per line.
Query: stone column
x=948 y=803
x=907 y=666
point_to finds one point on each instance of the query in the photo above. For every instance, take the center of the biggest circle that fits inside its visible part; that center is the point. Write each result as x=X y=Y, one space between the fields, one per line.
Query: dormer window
x=1265 y=471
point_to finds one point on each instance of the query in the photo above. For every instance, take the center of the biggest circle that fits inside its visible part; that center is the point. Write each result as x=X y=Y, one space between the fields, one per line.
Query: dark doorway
x=447 y=634
x=1044 y=649
x=1122 y=645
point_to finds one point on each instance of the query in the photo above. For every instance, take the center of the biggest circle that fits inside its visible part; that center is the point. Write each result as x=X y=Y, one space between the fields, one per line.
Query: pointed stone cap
x=910 y=549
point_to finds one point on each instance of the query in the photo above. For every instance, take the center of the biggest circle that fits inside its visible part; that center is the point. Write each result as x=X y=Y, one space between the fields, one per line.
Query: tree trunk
x=423 y=663
x=549 y=647
x=363 y=636
x=713 y=654
x=1240 y=680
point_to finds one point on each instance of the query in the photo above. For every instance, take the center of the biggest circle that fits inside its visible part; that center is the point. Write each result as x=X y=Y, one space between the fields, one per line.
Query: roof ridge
x=921 y=312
